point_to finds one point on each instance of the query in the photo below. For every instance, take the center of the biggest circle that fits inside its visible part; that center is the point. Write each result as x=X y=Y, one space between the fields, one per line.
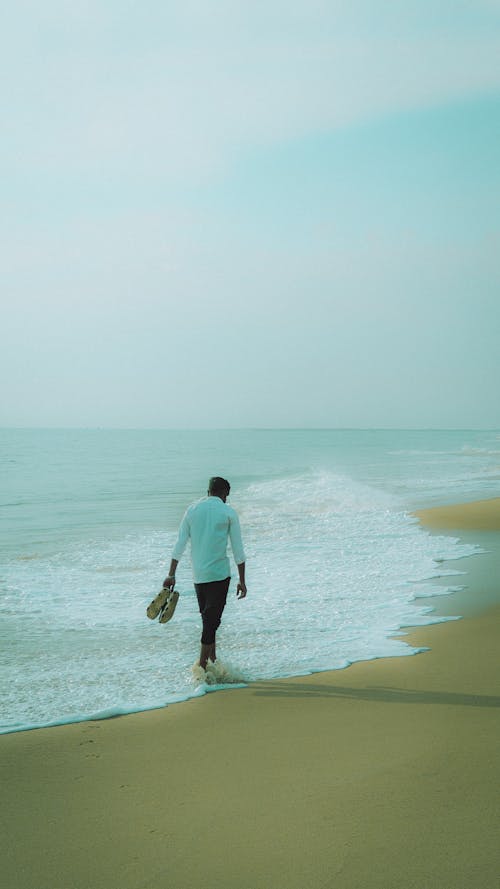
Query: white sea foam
x=218 y=673
x=336 y=567
x=480 y=452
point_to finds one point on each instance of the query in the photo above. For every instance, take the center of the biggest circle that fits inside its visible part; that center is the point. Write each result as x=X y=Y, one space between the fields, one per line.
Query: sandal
x=157 y=604
x=167 y=612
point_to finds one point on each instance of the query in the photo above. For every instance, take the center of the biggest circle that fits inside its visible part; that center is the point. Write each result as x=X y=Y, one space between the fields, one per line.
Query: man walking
x=208 y=524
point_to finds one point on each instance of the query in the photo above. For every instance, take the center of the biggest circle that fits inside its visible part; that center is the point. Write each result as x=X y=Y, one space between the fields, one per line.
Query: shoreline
x=381 y=772
x=476 y=523
x=442 y=605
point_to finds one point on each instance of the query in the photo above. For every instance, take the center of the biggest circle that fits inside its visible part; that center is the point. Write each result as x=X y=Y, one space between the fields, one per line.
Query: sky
x=250 y=214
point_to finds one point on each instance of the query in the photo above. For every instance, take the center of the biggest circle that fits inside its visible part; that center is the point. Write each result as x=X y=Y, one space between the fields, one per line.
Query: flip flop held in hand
x=164 y=605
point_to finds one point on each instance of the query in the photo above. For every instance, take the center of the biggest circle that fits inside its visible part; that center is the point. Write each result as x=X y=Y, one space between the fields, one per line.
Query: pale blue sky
x=251 y=214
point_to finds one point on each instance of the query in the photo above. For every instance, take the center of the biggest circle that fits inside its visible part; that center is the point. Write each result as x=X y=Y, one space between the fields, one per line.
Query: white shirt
x=208 y=523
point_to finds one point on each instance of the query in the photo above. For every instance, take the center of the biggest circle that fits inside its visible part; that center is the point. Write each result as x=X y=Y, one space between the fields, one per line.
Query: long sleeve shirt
x=208 y=524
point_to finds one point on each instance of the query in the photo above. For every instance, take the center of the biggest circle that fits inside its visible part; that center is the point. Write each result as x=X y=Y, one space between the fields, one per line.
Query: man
x=208 y=524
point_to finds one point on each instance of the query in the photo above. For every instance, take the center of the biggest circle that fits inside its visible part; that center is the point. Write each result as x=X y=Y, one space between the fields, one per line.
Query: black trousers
x=211 y=601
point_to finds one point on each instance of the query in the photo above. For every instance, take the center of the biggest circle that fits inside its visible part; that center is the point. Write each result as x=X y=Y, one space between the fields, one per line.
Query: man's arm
x=241 y=589
x=180 y=546
x=169 y=581
x=238 y=553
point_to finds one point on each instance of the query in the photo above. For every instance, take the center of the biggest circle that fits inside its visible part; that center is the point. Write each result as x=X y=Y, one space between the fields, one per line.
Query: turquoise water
x=336 y=563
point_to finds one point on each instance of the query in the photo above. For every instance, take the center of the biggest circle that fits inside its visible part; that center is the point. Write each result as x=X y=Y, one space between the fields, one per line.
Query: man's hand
x=169 y=582
x=241 y=591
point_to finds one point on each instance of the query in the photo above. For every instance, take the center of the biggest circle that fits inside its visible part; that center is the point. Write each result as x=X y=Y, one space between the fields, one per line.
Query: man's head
x=219 y=487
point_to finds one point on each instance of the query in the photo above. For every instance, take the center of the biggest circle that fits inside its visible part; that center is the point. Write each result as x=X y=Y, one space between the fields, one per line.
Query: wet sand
x=479 y=515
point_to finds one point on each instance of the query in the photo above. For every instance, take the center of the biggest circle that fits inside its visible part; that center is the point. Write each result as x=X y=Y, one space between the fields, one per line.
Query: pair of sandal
x=164 y=604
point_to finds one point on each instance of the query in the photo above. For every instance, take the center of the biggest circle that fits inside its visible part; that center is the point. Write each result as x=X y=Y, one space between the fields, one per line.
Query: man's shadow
x=379 y=694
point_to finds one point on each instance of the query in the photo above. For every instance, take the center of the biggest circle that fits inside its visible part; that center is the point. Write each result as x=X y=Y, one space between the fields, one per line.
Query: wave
x=335 y=570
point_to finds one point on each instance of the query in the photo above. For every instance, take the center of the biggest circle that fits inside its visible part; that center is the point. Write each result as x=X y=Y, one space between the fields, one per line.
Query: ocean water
x=336 y=563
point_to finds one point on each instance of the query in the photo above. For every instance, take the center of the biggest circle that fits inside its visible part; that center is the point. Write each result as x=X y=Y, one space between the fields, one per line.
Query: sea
x=337 y=564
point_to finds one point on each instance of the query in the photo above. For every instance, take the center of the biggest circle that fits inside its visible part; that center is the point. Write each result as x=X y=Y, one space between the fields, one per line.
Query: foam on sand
x=218 y=673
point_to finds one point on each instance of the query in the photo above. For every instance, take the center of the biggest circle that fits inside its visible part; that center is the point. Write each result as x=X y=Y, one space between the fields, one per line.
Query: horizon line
x=97 y=428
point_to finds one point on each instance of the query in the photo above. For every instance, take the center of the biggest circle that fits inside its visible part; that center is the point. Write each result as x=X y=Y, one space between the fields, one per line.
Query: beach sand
x=382 y=775
x=480 y=515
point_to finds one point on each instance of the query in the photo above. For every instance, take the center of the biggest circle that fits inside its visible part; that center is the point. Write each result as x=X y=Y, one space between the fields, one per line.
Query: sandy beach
x=379 y=776
x=480 y=515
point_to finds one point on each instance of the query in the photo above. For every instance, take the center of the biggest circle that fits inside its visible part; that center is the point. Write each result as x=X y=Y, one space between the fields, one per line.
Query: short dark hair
x=219 y=486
